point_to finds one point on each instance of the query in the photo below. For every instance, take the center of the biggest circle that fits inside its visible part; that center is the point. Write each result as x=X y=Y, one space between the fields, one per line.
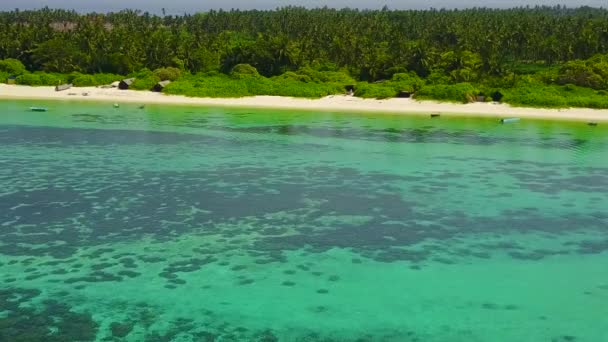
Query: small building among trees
x=497 y=96
x=126 y=83
x=158 y=87
x=404 y=94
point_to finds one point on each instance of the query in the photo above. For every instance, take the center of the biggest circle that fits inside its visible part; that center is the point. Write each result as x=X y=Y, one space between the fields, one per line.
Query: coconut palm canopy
x=179 y=6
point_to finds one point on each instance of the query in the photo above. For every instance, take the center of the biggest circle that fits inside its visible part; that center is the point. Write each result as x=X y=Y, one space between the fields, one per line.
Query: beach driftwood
x=63 y=87
x=126 y=83
x=158 y=87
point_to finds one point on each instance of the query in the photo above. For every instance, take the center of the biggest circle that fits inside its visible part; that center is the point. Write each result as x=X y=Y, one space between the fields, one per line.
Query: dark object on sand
x=126 y=83
x=158 y=87
x=497 y=96
x=404 y=94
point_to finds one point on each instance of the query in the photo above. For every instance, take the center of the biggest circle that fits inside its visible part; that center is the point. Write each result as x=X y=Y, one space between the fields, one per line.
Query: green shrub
x=52 y=79
x=84 y=81
x=460 y=92
x=111 y=78
x=407 y=82
x=437 y=77
x=4 y=76
x=145 y=83
x=202 y=85
x=548 y=76
x=41 y=79
x=375 y=90
x=145 y=79
x=29 y=79
x=327 y=76
x=220 y=85
x=143 y=73
x=295 y=88
x=396 y=70
x=101 y=79
x=529 y=68
x=244 y=70
x=290 y=75
x=168 y=74
x=12 y=67
x=581 y=73
x=531 y=99
x=553 y=96
x=506 y=81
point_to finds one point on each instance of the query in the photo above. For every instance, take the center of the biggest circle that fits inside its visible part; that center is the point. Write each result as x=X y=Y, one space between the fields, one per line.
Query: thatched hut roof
x=158 y=87
x=126 y=83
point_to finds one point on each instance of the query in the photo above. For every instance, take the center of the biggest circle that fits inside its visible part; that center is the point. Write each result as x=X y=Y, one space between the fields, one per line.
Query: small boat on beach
x=38 y=109
x=63 y=87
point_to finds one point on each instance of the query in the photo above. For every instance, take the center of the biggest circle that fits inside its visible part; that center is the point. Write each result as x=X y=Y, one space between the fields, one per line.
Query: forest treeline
x=475 y=49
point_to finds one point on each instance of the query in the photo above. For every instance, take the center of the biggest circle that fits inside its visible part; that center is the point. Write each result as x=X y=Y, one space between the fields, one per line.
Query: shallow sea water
x=207 y=224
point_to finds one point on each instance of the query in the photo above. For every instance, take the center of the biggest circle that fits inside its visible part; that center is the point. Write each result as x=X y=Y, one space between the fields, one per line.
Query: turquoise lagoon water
x=203 y=224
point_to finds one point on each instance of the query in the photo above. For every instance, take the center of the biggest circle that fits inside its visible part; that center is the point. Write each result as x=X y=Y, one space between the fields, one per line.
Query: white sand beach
x=329 y=103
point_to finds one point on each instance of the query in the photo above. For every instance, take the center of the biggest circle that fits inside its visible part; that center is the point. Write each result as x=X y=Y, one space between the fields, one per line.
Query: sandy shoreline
x=330 y=103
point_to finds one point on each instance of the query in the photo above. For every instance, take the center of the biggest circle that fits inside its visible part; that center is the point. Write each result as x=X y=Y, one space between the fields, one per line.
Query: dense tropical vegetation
x=542 y=56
